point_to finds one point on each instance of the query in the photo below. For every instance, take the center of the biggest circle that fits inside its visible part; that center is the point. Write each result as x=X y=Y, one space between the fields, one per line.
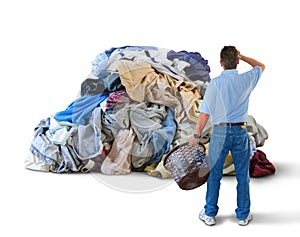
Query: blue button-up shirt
x=227 y=96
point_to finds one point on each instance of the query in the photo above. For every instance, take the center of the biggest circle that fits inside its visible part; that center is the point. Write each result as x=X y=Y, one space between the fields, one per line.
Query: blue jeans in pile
x=225 y=139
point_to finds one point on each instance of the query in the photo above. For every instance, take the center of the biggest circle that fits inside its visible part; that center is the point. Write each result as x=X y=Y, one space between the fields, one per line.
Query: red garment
x=117 y=97
x=260 y=165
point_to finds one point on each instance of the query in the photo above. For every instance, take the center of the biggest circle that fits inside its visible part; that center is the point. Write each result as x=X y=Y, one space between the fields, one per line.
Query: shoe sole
x=203 y=219
x=249 y=218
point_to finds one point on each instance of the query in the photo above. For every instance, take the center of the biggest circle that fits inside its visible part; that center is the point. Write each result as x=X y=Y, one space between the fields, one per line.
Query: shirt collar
x=229 y=71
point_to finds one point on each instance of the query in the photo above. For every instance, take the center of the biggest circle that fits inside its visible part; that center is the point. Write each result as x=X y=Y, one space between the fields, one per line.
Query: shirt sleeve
x=254 y=74
x=204 y=107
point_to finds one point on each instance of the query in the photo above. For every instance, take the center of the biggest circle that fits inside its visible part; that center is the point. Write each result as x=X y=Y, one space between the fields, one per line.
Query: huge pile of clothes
x=136 y=104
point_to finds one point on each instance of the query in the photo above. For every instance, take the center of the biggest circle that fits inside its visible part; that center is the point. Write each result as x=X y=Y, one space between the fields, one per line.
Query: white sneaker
x=245 y=221
x=208 y=220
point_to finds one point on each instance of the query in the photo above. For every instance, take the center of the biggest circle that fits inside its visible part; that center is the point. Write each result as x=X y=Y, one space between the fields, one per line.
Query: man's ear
x=222 y=64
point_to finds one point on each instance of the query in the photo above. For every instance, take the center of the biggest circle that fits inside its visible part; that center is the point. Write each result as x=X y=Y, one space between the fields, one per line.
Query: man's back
x=227 y=97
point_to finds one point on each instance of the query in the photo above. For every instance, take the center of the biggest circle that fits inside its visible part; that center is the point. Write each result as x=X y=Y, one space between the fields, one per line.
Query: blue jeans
x=224 y=139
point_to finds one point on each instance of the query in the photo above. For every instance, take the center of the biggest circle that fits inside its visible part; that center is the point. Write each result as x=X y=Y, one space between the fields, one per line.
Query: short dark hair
x=229 y=57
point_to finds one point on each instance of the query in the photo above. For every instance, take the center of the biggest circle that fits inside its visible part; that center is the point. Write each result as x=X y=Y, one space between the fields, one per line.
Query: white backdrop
x=45 y=53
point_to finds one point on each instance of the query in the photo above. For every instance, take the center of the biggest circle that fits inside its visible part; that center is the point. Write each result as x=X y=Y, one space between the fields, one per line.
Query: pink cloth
x=118 y=160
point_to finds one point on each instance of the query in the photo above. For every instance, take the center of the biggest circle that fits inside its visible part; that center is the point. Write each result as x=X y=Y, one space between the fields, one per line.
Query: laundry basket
x=188 y=165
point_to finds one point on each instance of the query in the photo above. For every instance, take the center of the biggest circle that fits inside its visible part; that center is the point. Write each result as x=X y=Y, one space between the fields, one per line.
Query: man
x=225 y=103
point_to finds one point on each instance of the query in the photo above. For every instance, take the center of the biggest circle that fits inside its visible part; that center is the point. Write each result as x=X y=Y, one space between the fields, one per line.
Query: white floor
x=45 y=54
x=35 y=203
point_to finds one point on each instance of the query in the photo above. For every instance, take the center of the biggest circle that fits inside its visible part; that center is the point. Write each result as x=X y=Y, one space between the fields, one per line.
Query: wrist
x=197 y=136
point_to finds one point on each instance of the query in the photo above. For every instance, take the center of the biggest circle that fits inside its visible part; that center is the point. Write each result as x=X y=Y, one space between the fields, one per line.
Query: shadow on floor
x=265 y=218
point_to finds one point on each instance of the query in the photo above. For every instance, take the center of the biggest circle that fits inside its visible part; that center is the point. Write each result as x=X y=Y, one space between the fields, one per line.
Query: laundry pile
x=137 y=103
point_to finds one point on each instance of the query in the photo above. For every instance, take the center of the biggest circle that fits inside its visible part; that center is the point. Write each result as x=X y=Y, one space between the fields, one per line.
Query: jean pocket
x=241 y=142
x=217 y=143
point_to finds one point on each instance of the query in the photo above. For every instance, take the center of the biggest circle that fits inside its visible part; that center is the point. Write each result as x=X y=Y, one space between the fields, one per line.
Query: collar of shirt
x=229 y=71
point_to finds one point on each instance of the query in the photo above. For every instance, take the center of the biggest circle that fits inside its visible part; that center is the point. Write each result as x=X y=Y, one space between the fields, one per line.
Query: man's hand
x=239 y=54
x=250 y=61
x=193 y=141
